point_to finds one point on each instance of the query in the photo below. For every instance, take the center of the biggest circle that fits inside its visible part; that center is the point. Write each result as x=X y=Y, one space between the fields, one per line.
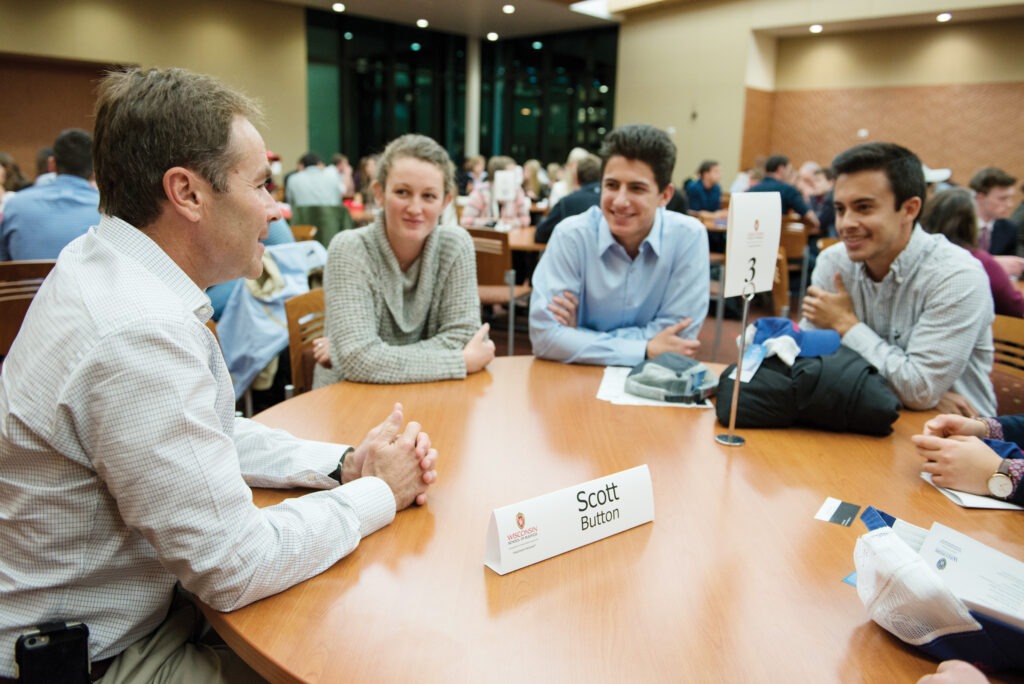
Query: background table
x=734 y=581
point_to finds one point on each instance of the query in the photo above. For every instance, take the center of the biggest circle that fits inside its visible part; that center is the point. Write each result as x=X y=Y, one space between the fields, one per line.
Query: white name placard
x=537 y=529
x=752 y=241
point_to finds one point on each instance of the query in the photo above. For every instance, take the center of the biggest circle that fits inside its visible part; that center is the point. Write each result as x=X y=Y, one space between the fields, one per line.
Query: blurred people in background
x=993 y=199
x=365 y=174
x=535 y=181
x=567 y=183
x=40 y=221
x=46 y=166
x=951 y=213
x=483 y=210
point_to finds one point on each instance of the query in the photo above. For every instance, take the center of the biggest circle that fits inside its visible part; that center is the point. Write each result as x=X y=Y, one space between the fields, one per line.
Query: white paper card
x=537 y=529
x=504 y=185
x=972 y=500
x=985 y=579
x=752 y=241
x=613 y=389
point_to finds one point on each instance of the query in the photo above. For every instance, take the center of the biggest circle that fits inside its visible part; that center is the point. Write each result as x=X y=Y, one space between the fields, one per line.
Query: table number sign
x=752 y=241
x=751 y=250
x=543 y=527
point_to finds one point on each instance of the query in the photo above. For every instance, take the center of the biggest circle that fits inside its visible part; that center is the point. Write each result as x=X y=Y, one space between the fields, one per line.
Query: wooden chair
x=495 y=277
x=780 y=285
x=303 y=231
x=19 y=282
x=826 y=242
x=305 y=314
x=794 y=241
x=717 y=294
x=1008 y=364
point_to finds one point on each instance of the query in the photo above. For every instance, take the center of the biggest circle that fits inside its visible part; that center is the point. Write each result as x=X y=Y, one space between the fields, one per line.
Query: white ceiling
x=471 y=17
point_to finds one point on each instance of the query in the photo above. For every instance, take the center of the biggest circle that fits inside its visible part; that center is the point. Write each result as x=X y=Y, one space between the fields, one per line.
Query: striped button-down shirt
x=927 y=326
x=122 y=464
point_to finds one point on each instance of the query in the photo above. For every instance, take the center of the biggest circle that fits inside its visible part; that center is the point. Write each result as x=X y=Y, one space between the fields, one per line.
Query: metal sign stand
x=730 y=439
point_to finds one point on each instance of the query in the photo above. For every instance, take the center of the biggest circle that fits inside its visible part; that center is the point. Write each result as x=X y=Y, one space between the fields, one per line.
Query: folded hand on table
x=404 y=459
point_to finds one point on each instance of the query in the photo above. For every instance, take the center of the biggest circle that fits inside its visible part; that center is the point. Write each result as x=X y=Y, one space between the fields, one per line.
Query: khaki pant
x=173 y=654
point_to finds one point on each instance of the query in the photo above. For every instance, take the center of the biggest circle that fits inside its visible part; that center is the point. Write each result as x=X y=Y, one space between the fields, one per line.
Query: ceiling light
x=944 y=17
x=816 y=28
x=415 y=47
x=508 y=9
x=422 y=23
x=537 y=45
x=492 y=36
x=338 y=7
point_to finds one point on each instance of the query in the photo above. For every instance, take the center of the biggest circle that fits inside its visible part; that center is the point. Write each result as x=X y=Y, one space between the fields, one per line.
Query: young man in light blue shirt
x=627 y=280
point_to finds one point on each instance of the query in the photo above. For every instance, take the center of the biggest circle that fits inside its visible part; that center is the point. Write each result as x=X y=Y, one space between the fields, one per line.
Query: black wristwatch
x=336 y=473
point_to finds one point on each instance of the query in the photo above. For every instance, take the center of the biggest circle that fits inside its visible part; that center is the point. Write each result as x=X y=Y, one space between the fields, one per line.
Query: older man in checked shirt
x=915 y=306
x=123 y=471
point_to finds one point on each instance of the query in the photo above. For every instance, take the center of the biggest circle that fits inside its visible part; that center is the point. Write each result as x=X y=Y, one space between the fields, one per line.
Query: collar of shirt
x=129 y=240
x=605 y=239
x=907 y=260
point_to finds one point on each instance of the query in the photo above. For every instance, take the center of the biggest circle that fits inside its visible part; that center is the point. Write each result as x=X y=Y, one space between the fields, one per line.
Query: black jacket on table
x=840 y=392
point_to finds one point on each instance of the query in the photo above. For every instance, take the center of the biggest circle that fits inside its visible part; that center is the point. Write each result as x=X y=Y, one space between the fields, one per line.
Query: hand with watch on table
x=959 y=456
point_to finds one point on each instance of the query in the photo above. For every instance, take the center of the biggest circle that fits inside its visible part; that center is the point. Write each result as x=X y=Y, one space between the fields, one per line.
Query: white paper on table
x=985 y=579
x=972 y=500
x=613 y=389
x=752 y=241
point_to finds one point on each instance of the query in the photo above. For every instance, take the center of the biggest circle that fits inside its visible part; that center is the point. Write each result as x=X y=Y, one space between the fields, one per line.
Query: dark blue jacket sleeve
x=1013 y=428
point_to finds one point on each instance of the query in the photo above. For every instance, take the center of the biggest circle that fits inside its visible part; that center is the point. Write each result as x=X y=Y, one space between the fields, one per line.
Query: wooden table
x=734 y=581
x=521 y=240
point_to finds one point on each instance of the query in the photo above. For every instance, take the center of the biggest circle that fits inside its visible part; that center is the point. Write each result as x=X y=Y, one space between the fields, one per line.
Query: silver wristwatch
x=1000 y=485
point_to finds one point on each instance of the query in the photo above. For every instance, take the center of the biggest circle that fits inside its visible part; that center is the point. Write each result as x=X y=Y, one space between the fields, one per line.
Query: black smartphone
x=54 y=653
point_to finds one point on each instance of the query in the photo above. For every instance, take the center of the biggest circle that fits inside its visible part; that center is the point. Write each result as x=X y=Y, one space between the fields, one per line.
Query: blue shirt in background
x=41 y=220
x=280 y=233
x=623 y=302
x=703 y=199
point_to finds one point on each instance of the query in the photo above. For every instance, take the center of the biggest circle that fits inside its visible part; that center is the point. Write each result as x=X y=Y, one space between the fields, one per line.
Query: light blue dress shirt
x=41 y=220
x=623 y=302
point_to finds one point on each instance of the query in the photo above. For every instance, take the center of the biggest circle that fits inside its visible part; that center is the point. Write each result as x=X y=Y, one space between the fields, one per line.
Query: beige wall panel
x=258 y=47
x=915 y=56
x=672 y=66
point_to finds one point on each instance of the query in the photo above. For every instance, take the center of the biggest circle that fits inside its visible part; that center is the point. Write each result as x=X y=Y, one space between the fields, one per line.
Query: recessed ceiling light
x=422 y=23
x=944 y=17
x=508 y=9
x=338 y=7
x=492 y=36
x=816 y=28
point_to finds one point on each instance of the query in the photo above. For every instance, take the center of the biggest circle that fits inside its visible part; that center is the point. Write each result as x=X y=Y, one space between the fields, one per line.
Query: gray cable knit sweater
x=386 y=326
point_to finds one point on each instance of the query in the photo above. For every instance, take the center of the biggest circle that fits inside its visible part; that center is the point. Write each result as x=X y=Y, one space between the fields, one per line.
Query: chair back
x=493 y=256
x=329 y=220
x=780 y=285
x=305 y=315
x=1008 y=364
x=303 y=231
x=19 y=282
x=826 y=242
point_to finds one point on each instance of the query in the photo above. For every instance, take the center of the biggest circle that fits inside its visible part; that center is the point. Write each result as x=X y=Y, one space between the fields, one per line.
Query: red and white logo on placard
x=520 y=520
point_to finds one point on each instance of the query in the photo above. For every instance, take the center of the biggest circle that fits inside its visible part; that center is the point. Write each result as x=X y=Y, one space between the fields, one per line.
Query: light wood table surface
x=734 y=581
x=521 y=240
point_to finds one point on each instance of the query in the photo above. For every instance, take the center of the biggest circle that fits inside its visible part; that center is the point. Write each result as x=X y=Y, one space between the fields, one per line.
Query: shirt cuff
x=995 y=428
x=1015 y=469
x=372 y=501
